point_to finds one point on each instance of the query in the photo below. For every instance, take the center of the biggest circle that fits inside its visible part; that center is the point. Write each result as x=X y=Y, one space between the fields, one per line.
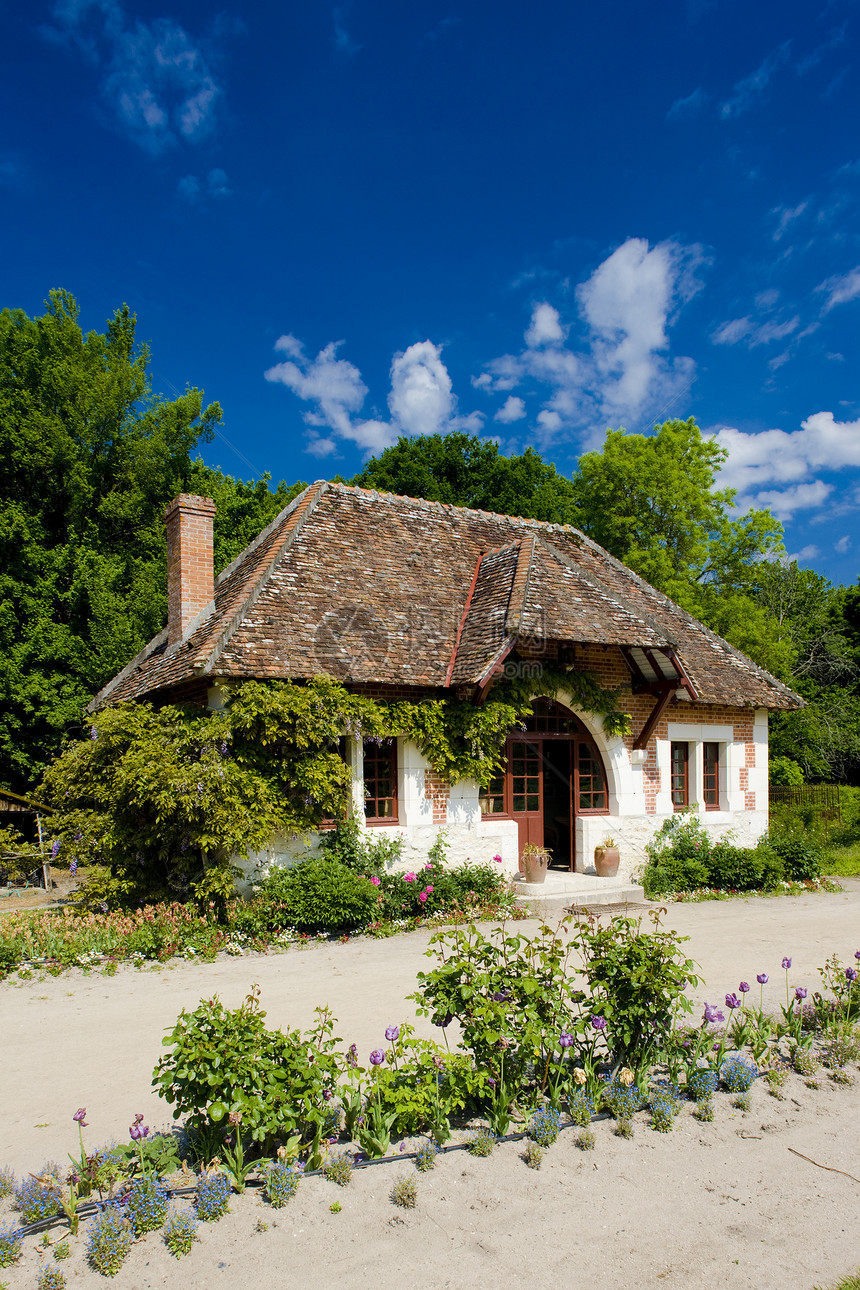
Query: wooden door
x=526 y=789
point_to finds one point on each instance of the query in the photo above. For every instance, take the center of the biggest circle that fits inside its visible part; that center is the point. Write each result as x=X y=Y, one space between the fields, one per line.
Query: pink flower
x=498 y=859
x=422 y=896
x=375 y=882
x=428 y=865
x=409 y=877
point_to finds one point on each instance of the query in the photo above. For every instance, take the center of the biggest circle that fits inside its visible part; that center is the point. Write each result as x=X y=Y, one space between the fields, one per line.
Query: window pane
x=678 y=774
x=711 y=775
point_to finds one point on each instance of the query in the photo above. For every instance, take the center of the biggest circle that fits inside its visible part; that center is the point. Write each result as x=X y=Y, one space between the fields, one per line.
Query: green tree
x=89 y=457
x=463 y=470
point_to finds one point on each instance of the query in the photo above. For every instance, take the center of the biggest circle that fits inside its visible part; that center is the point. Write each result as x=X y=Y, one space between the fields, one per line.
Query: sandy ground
x=722 y=1204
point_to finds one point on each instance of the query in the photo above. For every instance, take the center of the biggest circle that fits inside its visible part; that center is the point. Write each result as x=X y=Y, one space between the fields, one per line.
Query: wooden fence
x=824 y=797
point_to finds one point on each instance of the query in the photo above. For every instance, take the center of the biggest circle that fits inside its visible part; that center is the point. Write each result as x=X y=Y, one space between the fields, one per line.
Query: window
x=592 y=785
x=380 y=781
x=679 y=776
x=711 y=776
x=492 y=798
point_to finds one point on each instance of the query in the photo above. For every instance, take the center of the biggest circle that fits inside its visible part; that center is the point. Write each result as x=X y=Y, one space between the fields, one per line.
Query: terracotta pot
x=534 y=867
x=606 y=861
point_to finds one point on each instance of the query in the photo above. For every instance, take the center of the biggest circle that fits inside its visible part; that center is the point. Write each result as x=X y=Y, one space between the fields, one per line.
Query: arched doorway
x=553 y=773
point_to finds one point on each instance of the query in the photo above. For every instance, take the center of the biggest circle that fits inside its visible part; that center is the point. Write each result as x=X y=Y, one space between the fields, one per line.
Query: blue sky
x=533 y=222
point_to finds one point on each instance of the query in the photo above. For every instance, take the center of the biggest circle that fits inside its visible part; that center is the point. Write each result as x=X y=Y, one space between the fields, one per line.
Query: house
x=398 y=597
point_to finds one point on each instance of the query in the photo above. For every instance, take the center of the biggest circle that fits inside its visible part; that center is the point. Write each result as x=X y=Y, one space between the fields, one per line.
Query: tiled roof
x=371 y=587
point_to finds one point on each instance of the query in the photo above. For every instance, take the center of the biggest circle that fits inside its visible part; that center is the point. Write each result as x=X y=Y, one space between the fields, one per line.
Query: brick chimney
x=190 y=574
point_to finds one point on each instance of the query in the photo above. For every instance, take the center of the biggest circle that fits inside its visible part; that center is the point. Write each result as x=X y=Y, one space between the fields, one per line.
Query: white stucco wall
x=628 y=821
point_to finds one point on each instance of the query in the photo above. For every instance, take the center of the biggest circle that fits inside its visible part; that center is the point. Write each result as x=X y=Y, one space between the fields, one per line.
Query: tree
x=463 y=470
x=89 y=457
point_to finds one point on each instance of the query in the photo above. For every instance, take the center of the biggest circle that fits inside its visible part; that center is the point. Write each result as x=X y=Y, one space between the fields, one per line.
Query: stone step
x=578 y=889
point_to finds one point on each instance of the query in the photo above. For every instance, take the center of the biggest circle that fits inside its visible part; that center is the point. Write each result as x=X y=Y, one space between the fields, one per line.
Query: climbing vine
x=164 y=797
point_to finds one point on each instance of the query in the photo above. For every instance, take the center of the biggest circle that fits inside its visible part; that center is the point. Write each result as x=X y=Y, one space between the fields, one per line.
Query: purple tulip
x=392 y=1033
x=786 y=963
x=446 y=1020
x=565 y=1040
x=712 y=1014
x=81 y=1117
x=138 y=1131
x=857 y=955
x=598 y=1023
x=850 y=974
x=744 y=987
x=762 y=978
x=732 y=1001
x=377 y=1057
x=800 y=993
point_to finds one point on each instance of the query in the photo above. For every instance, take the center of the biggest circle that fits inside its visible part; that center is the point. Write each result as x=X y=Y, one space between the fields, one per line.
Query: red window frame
x=711 y=776
x=679 y=775
x=379 y=765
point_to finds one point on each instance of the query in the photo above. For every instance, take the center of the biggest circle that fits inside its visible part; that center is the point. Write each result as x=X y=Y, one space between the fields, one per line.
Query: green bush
x=785 y=772
x=317 y=895
x=677 y=856
x=370 y=855
x=744 y=868
x=800 y=852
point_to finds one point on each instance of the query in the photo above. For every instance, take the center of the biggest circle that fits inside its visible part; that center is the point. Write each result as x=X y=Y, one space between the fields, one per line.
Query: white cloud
x=686 y=108
x=808 y=552
x=545 y=327
x=843 y=544
x=620 y=372
x=751 y=333
x=752 y=87
x=841 y=288
x=421 y=400
x=155 y=76
x=513 y=409
x=756 y=462
x=785 y=217
x=215 y=184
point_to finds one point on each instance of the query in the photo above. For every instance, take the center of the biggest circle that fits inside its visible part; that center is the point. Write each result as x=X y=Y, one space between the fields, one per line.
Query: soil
x=727 y=1203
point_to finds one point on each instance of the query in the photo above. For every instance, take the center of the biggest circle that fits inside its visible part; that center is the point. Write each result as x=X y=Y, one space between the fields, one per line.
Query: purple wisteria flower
x=598 y=1023
x=73 y=868
x=762 y=978
x=80 y=1117
x=392 y=1033
x=744 y=987
x=352 y=1056
x=377 y=1057
x=850 y=974
x=55 y=849
x=565 y=1040
x=712 y=1014
x=786 y=963
x=446 y=1020
x=732 y=1001
x=800 y=993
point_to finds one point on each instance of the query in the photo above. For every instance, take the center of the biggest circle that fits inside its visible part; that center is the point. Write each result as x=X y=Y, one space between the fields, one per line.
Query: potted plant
x=535 y=861
x=606 y=858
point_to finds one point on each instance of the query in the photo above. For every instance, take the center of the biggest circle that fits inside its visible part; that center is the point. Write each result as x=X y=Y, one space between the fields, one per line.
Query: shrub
x=665 y=1105
x=339 y=1170
x=11 y=1241
x=544 y=1126
x=62 y=1250
x=799 y=850
x=533 y=1156
x=677 y=856
x=784 y=772
x=369 y=854
x=281 y=1182
x=621 y=1098
x=109 y=1241
x=36 y=1201
x=405 y=1192
x=623 y=1129
x=482 y=1143
x=319 y=895
x=702 y=1084
x=180 y=1232
x=585 y=1140
x=50 y=1278
x=147 y=1204
x=744 y=868
x=213 y=1197
x=705 y=1111
x=7 y=1181
x=743 y=1102
x=738 y=1075
x=425 y=1157
x=581 y=1107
